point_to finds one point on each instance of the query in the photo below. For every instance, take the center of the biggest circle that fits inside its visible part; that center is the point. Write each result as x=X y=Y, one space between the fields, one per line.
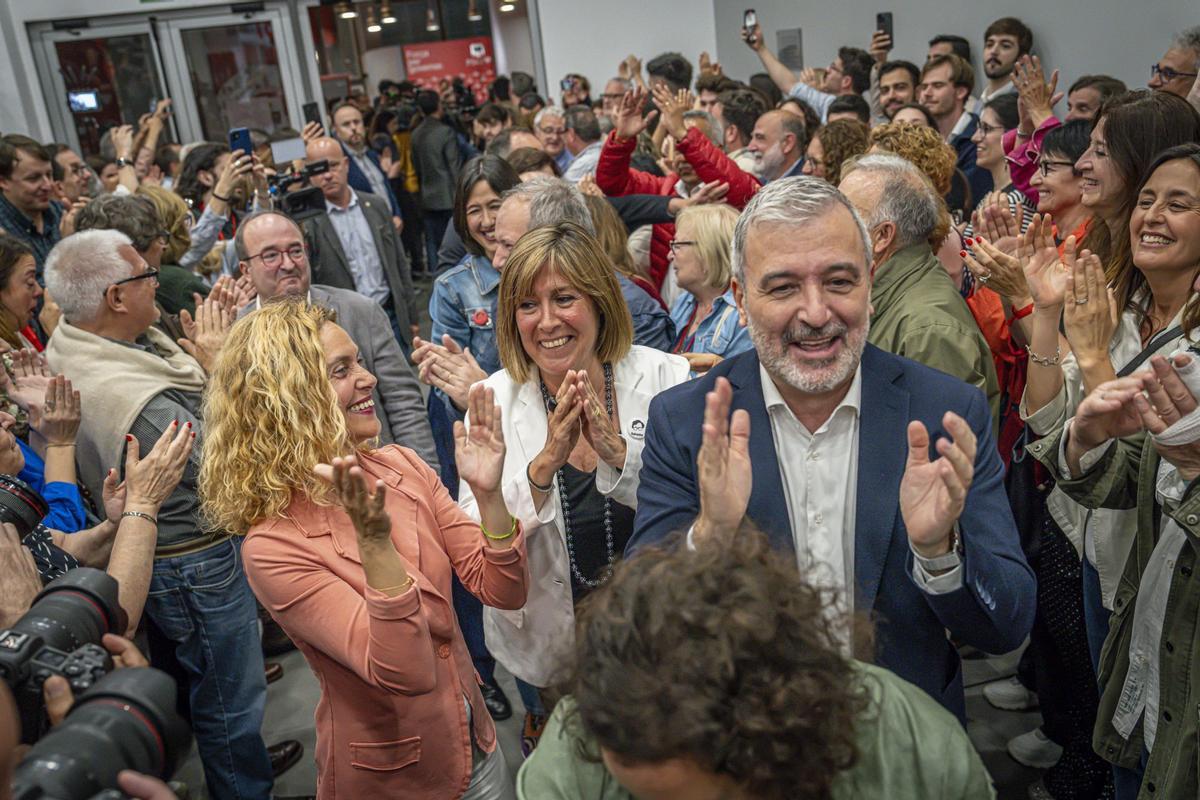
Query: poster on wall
x=470 y=59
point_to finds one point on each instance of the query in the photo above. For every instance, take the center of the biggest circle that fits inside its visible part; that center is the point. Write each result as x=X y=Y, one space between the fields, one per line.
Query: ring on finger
x=1082 y=302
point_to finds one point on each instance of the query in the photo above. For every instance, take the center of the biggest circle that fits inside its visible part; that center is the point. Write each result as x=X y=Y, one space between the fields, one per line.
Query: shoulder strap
x=1151 y=348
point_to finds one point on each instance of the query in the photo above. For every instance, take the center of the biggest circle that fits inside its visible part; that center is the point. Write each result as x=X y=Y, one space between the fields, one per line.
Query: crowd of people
x=745 y=409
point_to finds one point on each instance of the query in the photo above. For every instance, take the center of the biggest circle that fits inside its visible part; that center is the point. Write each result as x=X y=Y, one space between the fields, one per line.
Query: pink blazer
x=393 y=670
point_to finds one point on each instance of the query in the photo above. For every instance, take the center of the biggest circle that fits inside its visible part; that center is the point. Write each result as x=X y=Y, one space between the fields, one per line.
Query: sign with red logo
x=470 y=59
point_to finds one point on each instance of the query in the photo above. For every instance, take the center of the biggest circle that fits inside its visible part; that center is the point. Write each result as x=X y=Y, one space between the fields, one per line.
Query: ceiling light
x=473 y=12
x=431 y=20
x=385 y=14
x=346 y=11
x=506 y=7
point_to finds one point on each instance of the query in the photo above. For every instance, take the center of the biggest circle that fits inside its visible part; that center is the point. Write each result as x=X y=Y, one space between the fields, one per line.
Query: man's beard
x=816 y=378
x=997 y=70
x=771 y=162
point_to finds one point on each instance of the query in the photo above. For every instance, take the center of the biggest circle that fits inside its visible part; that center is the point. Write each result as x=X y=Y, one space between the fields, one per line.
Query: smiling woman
x=19 y=293
x=574 y=396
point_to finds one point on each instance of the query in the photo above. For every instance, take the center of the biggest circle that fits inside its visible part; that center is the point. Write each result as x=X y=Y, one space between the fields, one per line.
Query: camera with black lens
x=21 y=505
x=60 y=635
x=126 y=720
x=299 y=204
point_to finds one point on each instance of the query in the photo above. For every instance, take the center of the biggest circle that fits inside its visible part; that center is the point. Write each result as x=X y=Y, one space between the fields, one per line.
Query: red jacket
x=616 y=178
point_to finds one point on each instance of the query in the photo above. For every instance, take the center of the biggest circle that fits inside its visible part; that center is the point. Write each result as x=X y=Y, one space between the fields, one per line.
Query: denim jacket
x=720 y=333
x=463 y=304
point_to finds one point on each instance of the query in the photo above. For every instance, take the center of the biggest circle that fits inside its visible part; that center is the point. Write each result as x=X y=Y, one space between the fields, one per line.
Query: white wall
x=511 y=36
x=591 y=38
x=1117 y=37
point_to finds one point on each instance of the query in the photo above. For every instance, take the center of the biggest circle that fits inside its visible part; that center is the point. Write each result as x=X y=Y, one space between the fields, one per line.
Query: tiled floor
x=291 y=700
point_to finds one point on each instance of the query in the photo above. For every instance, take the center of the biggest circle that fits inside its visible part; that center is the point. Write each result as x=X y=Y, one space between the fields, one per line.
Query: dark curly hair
x=841 y=139
x=725 y=656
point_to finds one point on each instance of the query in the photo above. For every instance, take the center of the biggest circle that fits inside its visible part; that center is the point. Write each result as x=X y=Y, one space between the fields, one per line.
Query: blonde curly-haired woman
x=351 y=550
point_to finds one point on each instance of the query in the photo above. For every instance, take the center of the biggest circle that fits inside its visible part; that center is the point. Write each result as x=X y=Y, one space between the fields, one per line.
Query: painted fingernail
x=189 y=426
x=128 y=438
x=962 y=253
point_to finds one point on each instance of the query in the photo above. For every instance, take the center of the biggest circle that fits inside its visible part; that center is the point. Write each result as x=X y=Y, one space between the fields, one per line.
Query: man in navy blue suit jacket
x=348 y=128
x=920 y=537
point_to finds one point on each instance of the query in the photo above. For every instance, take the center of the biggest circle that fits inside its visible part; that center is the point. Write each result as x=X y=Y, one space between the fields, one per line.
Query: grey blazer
x=437 y=159
x=398 y=400
x=330 y=267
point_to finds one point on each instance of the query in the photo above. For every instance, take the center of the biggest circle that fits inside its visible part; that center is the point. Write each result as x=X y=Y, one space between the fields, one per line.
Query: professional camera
x=60 y=635
x=299 y=204
x=127 y=720
x=21 y=505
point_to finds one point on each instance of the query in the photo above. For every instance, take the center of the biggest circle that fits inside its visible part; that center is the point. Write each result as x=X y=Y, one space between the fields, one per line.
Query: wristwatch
x=947 y=561
x=123 y=162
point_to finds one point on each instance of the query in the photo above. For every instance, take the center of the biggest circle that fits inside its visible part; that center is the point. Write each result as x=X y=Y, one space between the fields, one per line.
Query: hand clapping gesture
x=562 y=423
x=364 y=506
x=1091 y=316
x=149 y=481
x=1167 y=399
x=934 y=492
x=479 y=448
x=1044 y=270
x=1037 y=95
x=723 y=467
x=598 y=427
x=996 y=270
x=57 y=417
x=673 y=105
x=628 y=121
x=447 y=367
x=206 y=334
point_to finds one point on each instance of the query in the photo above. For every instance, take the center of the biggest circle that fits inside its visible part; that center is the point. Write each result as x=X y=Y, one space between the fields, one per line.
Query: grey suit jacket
x=437 y=159
x=331 y=268
x=398 y=400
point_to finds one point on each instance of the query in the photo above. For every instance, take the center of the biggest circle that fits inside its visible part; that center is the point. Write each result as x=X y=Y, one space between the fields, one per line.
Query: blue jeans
x=1128 y=782
x=530 y=697
x=202 y=603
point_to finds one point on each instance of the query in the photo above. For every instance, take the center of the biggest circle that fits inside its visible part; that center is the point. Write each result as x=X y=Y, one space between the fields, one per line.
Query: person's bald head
x=334 y=183
x=272 y=253
x=778 y=142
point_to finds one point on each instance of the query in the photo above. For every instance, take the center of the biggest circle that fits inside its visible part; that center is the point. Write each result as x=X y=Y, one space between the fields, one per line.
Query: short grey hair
x=551 y=201
x=548 y=111
x=581 y=119
x=906 y=199
x=795 y=202
x=239 y=237
x=712 y=128
x=1189 y=40
x=80 y=269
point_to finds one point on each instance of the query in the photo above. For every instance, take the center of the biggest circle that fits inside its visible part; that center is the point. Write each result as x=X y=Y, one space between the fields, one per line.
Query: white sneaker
x=1034 y=749
x=1010 y=695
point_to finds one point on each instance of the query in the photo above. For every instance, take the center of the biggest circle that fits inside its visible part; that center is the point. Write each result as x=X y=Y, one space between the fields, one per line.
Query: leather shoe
x=497 y=704
x=284 y=756
x=274 y=671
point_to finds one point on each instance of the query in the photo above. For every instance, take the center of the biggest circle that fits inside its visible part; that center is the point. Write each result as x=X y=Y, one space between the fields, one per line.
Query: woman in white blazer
x=574 y=395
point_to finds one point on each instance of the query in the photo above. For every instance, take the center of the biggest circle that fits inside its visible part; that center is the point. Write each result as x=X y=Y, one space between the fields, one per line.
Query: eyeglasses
x=1168 y=74
x=553 y=131
x=150 y=273
x=988 y=130
x=678 y=243
x=1044 y=165
x=273 y=259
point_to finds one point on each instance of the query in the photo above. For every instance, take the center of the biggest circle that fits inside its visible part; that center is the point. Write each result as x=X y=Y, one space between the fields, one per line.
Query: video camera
x=299 y=204
x=127 y=720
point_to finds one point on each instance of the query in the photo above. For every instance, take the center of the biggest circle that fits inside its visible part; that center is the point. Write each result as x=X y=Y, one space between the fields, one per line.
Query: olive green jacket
x=910 y=748
x=1125 y=477
x=919 y=314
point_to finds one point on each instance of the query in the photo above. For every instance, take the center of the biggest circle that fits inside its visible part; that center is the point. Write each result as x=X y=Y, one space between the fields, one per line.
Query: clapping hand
x=1044 y=270
x=57 y=417
x=205 y=335
x=994 y=219
x=447 y=367
x=364 y=506
x=29 y=380
x=996 y=270
x=723 y=465
x=1167 y=399
x=479 y=448
x=149 y=481
x=628 y=121
x=1036 y=93
x=934 y=492
x=708 y=66
x=562 y=423
x=598 y=427
x=1090 y=315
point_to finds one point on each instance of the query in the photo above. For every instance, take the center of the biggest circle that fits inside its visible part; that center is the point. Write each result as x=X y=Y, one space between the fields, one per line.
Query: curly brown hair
x=725 y=656
x=841 y=139
x=920 y=145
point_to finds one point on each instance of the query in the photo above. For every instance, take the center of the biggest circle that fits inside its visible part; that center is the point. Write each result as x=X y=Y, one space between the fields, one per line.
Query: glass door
x=236 y=71
x=97 y=78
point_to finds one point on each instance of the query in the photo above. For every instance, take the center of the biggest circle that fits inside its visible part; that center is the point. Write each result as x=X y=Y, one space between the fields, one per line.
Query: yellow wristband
x=509 y=535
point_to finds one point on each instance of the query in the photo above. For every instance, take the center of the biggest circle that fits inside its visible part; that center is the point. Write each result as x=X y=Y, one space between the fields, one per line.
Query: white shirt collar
x=335 y=209
x=773 y=399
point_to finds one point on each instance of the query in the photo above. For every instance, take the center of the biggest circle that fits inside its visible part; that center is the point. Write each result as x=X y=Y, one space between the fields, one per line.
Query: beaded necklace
x=565 y=501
